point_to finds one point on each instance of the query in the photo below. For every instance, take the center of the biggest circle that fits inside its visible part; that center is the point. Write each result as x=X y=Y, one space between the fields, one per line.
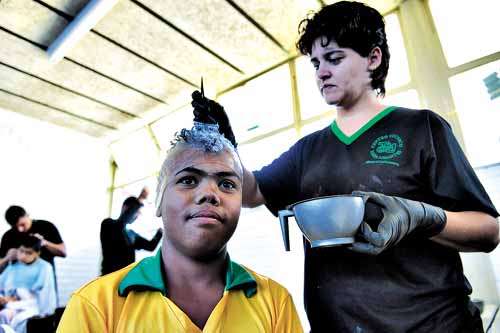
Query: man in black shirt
x=118 y=242
x=21 y=223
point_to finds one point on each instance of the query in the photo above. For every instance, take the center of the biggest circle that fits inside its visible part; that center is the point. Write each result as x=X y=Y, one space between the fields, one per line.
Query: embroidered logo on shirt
x=386 y=149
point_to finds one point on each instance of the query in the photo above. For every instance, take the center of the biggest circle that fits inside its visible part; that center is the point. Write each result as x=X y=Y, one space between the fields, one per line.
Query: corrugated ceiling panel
x=71 y=7
x=280 y=17
x=23 y=84
x=118 y=62
x=105 y=57
x=31 y=59
x=17 y=104
x=31 y=20
x=15 y=16
x=133 y=27
x=223 y=29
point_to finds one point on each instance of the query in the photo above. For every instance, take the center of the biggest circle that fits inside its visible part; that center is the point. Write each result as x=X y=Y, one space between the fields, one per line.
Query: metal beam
x=242 y=82
x=112 y=169
x=297 y=118
x=474 y=63
x=153 y=137
x=87 y=18
x=69 y=17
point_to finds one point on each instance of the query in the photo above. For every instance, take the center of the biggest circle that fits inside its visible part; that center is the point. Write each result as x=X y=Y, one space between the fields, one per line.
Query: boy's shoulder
x=104 y=285
x=268 y=286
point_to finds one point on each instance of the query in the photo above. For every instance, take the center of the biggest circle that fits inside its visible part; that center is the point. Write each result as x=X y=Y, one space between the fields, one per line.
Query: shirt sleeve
x=451 y=177
x=53 y=234
x=288 y=319
x=4 y=245
x=279 y=181
x=80 y=316
x=141 y=243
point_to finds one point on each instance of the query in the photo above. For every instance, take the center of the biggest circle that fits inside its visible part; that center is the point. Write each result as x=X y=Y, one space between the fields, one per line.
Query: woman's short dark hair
x=13 y=214
x=351 y=25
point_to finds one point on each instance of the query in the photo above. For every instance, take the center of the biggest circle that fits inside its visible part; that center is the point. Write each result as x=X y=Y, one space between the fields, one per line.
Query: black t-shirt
x=117 y=252
x=11 y=239
x=416 y=286
x=119 y=245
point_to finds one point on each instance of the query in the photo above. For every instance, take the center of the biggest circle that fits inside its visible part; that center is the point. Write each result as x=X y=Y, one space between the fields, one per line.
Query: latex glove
x=208 y=111
x=400 y=218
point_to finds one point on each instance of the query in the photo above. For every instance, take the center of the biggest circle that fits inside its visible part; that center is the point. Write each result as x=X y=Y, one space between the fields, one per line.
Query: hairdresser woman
x=404 y=274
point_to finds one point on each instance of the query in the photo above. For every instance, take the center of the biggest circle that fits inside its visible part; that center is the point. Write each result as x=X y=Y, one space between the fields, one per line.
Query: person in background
x=27 y=286
x=404 y=273
x=118 y=242
x=191 y=285
x=21 y=225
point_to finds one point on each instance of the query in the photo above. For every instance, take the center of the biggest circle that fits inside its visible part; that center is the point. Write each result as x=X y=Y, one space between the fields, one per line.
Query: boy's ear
x=374 y=58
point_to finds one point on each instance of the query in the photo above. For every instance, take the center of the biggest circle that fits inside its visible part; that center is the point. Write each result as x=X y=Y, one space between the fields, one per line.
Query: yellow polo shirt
x=133 y=300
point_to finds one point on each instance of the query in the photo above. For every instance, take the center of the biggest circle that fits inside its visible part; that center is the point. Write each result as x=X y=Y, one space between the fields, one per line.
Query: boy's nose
x=207 y=193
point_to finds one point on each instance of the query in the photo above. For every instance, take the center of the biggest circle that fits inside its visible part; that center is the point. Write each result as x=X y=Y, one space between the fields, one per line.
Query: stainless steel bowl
x=325 y=221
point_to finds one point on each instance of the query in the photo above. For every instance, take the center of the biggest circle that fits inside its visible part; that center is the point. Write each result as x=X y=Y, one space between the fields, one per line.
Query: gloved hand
x=210 y=112
x=400 y=218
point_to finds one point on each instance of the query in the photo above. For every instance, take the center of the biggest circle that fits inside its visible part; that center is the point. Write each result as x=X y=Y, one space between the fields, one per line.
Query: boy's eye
x=227 y=184
x=187 y=180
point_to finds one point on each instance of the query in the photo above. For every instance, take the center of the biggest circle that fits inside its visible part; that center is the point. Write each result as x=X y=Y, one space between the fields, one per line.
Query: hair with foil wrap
x=205 y=137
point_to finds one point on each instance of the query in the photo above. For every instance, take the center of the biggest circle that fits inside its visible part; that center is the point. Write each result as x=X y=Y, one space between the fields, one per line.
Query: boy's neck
x=187 y=271
x=196 y=287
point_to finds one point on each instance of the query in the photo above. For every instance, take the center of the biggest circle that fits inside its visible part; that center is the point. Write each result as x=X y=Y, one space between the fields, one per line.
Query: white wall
x=58 y=175
x=258 y=244
x=484 y=269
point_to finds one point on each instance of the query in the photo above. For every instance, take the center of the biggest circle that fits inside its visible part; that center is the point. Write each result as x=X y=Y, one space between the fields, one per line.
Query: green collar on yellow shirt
x=147 y=275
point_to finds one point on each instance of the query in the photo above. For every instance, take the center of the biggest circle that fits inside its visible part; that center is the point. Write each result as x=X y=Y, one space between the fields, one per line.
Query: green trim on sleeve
x=350 y=139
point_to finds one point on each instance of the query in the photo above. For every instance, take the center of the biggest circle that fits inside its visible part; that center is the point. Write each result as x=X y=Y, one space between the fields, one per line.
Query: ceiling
x=143 y=59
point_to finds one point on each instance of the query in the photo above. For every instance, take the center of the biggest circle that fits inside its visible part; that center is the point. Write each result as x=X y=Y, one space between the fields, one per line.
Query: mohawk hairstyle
x=201 y=136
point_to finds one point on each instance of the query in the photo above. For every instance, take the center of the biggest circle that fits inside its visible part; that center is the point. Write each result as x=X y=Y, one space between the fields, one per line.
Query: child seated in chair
x=27 y=286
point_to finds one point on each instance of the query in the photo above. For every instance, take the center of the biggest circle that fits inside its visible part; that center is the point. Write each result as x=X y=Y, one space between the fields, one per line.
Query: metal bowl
x=325 y=221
